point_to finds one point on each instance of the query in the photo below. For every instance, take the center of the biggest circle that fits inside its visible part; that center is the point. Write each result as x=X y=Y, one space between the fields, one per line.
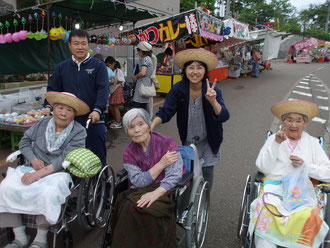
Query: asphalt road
x=249 y=101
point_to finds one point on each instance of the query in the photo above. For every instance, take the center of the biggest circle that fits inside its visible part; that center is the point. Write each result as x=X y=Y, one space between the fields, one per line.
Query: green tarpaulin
x=30 y=56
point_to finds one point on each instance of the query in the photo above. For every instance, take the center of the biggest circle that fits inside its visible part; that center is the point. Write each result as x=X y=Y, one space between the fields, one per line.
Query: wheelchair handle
x=269 y=133
x=88 y=122
x=321 y=140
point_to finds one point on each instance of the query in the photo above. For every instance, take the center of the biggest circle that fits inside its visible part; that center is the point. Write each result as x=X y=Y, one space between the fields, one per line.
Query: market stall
x=303 y=50
x=269 y=40
x=321 y=52
x=18 y=112
x=231 y=51
x=194 y=28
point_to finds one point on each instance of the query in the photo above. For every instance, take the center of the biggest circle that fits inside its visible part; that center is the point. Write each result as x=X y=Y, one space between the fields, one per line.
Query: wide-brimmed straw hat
x=144 y=46
x=198 y=54
x=295 y=106
x=68 y=99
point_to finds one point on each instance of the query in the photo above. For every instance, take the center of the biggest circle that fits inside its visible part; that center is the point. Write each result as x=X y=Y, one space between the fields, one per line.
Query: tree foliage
x=315 y=16
x=260 y=11
x=186 y=5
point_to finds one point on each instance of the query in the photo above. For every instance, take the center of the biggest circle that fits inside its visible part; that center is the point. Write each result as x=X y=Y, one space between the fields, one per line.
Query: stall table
x=303 y=59
x=15 y=132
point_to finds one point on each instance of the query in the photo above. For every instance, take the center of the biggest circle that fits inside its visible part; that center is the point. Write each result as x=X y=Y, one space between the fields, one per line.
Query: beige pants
x=15 y=220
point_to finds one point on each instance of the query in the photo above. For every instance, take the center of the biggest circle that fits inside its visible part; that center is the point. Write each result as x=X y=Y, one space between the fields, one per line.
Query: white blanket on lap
x=43 y=197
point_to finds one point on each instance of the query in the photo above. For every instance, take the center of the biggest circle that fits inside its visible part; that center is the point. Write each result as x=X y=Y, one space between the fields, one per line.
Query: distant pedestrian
x=116 y=95
x=144 y=49
x=255 y=61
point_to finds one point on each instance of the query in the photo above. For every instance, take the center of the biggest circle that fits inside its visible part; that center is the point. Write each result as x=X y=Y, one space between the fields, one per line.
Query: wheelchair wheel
x=103 y=191
x=326 y=242
x=94 y=193
x=247 y=241
x=84 y=203
x=106 y=237
x=243 y=218
x=67 y=239
x=197 y=218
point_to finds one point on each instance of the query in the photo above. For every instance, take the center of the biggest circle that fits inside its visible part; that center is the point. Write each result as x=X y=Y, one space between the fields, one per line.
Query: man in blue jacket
x=87 y=78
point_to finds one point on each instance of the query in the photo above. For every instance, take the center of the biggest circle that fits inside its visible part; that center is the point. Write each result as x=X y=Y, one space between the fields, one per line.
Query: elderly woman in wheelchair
x=38 y=188
x=282 y=214
x=144 y=215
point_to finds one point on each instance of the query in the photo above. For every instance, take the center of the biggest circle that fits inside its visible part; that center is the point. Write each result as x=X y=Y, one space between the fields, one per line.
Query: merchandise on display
x=15 y=118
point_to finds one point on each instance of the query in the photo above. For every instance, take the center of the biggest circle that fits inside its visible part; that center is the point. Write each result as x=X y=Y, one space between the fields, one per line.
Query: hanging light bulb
x=121 y=28
x=77 y=26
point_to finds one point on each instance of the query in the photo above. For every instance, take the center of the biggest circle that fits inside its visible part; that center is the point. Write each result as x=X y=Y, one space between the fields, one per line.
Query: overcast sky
x=303 y=4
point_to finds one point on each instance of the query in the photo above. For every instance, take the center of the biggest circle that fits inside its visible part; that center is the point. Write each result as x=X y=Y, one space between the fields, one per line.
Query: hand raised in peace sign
x=211 y=94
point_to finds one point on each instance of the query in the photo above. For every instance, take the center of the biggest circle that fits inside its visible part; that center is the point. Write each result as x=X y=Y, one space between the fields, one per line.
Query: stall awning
x=182 y=26
x=94 y=13
x=306 y=43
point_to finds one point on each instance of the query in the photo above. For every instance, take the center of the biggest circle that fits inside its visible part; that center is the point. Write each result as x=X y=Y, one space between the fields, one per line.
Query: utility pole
x=228 y=14
x=327 y=21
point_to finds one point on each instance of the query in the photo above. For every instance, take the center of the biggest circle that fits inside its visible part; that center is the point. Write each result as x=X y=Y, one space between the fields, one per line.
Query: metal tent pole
x=48 y=39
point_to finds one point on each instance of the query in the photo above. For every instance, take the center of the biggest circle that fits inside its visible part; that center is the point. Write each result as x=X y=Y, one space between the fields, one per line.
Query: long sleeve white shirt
x=274 y=158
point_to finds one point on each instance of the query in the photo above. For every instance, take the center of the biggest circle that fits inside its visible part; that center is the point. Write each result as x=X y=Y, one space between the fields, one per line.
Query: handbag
x=147 y=91
x=154 y=80
x=298 y=189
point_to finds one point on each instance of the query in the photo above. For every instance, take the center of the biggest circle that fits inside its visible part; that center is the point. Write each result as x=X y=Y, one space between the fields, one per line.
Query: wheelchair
x=86 y=203
x=251 y=191
x=192 y=200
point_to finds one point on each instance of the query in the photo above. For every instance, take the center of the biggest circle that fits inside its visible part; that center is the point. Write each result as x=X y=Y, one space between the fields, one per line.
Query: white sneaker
x=116 y=125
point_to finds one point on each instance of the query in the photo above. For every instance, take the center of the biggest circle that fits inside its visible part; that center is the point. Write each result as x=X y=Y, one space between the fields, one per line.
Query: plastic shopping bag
x=298 y=189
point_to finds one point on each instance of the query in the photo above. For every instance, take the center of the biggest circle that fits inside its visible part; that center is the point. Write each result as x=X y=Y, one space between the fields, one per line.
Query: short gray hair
x=132 y=114
x=287 y=114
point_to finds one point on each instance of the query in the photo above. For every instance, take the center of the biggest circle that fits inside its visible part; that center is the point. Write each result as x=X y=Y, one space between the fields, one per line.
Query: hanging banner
x=181 y=26
x=238 y=30
x=306 y=43
x=209 y=27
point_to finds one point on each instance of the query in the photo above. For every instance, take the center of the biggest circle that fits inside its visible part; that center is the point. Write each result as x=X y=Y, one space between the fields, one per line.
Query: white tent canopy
x=272 y=42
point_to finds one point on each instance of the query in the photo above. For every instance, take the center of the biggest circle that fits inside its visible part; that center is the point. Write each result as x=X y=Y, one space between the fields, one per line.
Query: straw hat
x=68 y=99
x=144 y=46
x=295 y=106
x=198 y=54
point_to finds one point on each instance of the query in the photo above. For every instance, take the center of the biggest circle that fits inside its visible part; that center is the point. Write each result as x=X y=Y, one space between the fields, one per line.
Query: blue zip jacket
x=177 y=101
x=90 y=83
